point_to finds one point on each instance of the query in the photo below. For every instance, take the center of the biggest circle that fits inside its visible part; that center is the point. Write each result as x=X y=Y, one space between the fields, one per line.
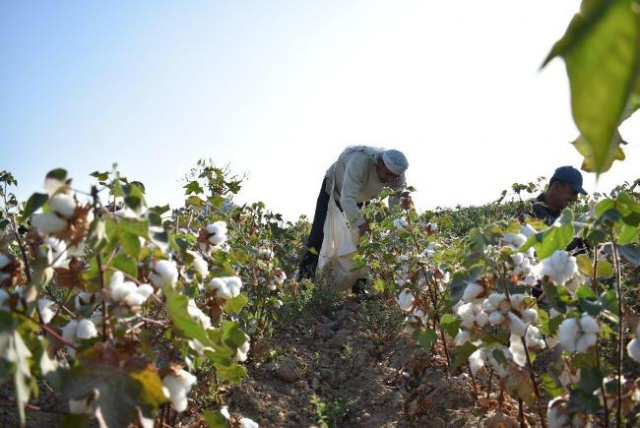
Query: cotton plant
x=415 y=320
x=484 y=357
x=199 y=264
x=405 y=299
x=558 y=416
x=400 y=223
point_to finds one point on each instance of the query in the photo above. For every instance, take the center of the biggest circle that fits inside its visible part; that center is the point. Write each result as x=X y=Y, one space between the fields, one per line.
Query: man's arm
x=352 y=182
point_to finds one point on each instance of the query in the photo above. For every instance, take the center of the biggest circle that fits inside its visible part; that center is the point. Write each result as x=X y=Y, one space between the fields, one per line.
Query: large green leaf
x=601 y=53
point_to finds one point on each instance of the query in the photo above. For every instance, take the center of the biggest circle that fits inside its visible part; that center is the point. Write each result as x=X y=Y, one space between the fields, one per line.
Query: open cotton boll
x=86 y=330
x=530 y=316
x=588 y=324
x=164 y=273
x=120 y=291
x=527 y=230
x=47 y=310
x=279 y=276
x=462 y=337
x=517 y=350
x=48 y=223
x=134 y=299
x=560 y=267
x=586 y=341
x=517 y=302
x=473 y=292
x=406 y=299
x=516 y=325
x=217 y=232
x=482 y=318
x=496 y=318
x=567 y=334
x=85 y=298
x=235 y=284
x=400 y=223
x=145 y=290
x=57 y=250
x=514 y=240
x=200 y=266
x=557 y=413
x=248 y=423
x=197 y=314
x=578 y=335
x=63 y=204
x=496 y=302
x=467 y=315
x=221 y=287
x=179 y=384
x=243 y=350
x=476 y=361
x=69 y=331
x=633 y=349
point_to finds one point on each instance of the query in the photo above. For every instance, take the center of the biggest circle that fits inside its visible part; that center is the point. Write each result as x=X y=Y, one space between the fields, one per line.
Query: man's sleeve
x=352 y=182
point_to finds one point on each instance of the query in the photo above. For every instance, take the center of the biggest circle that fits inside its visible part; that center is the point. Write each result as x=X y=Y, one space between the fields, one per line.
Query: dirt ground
x=363 y=375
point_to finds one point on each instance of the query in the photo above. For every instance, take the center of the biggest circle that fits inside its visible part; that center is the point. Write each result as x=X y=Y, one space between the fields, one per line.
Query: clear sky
x=277 y=89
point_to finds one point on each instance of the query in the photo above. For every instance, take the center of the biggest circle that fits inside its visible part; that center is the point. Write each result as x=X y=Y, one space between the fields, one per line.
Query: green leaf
x=462 y=355
x=600 y=49
x=182 y=321
x=138 y=228
x=130 y=243
x=194 y=201
x=232 y=373
x=604 y=270
x=216 y=201
x=552 y=388
x=450 y=324
x=584 y=265
x=425 y=338
x=35 y=202
x=57 y=174
x=193 y=187
x=556 y=238
x=236 y=304
x=126 y=263
x=215 y=419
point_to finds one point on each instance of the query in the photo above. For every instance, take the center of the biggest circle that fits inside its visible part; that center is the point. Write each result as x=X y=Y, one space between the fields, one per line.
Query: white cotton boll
x=178 y=386
x=222 y=290
x=63 y=204
x=69 y=331
x=560 y=267
x=502 y=370
x=514 y=240
x=279 y=276
x=633 y=349
x=197 y=314
x=517 y=302
x=568 y=334
x=557 y=414
x=217 y=232
x=164 y=273
x=517 y=350
x=534 y=338
x=86 y=330
x=145 y=290
x=200 y=266
x=586 y=341
x=462 y=337
x=121 y=291
x=588 y=324
x=473 y=292
x=248 y=423
x=235 y=284
x=400 y=223
x=406 y=299
x=224 y=411
x=85 y=298
x=243 y=350
x=496 y=318
x=134 y=299
x=527 y=230
x=58 y=249
x=476 y=361
x=516 y=326
x=47 y=310
x=517 y=258
x=482 y=318
x=467 y=315
x=48 y=223
x=530 y=316
x=496 y=301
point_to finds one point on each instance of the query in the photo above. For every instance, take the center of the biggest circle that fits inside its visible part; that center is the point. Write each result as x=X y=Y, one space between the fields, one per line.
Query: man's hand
x=364 y=228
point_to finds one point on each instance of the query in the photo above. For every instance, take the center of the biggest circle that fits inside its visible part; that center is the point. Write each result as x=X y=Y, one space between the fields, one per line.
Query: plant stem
x=595 y=269
x=534 y=383
x=616 y=260
x=106 y=331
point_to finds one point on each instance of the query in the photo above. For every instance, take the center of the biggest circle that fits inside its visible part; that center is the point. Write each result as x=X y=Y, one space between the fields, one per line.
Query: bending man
x=359 y=174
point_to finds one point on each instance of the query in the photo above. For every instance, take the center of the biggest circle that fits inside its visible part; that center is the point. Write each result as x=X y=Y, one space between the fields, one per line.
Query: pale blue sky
x=278 y=88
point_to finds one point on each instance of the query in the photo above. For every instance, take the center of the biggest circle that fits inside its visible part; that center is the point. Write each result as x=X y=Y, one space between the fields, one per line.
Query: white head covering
x=396 y=161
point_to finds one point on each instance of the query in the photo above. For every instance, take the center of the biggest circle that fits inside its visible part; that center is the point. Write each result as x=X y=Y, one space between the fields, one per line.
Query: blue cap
x=395 y=161
x=568 y=174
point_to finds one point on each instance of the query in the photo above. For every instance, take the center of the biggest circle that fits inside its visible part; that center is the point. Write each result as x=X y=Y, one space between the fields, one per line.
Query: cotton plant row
x=512 y=304
x=111 y=285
